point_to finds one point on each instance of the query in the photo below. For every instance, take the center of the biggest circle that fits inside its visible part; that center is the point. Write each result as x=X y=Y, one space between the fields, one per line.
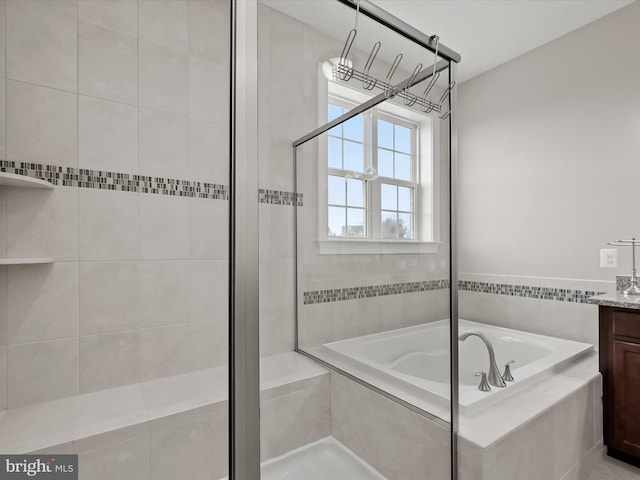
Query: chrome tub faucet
x=494 y=376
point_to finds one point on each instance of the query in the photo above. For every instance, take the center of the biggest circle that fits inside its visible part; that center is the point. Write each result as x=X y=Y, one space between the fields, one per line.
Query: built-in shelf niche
x=24 y=261
x=22 y=181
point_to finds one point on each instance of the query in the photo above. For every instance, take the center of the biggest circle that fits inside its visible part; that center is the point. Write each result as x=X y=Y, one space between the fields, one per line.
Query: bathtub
x=417 y=359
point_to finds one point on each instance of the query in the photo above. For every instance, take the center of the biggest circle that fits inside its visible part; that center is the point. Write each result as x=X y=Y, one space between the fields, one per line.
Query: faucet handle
x=506 y=376
x=484 y=385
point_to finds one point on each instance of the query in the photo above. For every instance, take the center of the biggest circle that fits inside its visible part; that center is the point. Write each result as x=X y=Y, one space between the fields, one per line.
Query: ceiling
x=486 y=33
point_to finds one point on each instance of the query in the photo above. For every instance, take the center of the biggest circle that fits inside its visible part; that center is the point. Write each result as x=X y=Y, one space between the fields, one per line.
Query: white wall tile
x=41 y=125
x=574 y=429
x=183 y=449
x=107 y=64
x=2 y=118
x=107 y=361
x=43 y=371
x=208 y=228
x=208 y=152
x=209 y=30
x=164 y=227
x=209 y=343
x=108 y=297
x=164 y=22
x=164 y=292
x=3 y=305
x=164 y=79
x=206 y=81
x=2 y=38
x=108 y=225
x=41 y=42
x=380 y=431
x=128 y=460
x=280 y=427
x=588 y=329
x=118 y=15
x=208 y=290
x=164 y=351
x=42 y=302
x=42 y=223
x=108 y=135
x=3 y=377
x=277 y=288
x=3 y=222
x=277 y=332
x=164 y=144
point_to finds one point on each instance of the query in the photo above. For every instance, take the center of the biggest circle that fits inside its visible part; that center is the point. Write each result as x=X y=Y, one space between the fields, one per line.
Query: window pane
x=355 y=222
x=385 y=163
x=402 y=139
x=355 y=193
x=337 y=225
x=389 y=225
x=404 y=199
x=402 y=167
x=353 y=156
x=405 y=225
x=385 y=134
x=336 y=195
x=333 y=113
x=354 y=128
x=335 y=152
x=389 y=197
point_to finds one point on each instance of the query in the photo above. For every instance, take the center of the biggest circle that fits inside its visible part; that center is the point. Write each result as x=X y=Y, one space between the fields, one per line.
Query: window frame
x=426 y=195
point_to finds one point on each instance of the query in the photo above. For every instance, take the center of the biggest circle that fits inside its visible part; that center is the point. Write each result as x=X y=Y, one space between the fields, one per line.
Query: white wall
x=549 y=145
x=550 y=155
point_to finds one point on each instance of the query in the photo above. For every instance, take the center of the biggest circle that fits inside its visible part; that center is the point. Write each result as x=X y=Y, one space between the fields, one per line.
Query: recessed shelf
x=24 y=261
x=13 y=180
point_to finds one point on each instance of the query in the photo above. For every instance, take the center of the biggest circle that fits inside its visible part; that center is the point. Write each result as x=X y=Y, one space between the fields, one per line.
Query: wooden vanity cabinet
x=620 y=368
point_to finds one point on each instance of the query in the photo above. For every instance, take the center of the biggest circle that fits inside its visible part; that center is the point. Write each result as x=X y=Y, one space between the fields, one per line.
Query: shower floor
x=321 y=460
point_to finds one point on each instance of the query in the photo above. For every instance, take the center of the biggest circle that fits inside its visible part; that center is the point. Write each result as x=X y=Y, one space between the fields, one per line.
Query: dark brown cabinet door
x=626 y=398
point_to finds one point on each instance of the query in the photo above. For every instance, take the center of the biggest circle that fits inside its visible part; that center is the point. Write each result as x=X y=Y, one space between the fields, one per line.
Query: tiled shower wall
x=289 y=54
x=138 y=289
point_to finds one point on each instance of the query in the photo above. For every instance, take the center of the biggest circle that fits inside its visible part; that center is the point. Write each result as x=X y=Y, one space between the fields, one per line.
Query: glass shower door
x=354 y=255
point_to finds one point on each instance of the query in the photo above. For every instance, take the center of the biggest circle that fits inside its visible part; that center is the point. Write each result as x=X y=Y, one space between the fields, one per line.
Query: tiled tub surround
x=551 y=431
x=175 y=427
x=548 y=306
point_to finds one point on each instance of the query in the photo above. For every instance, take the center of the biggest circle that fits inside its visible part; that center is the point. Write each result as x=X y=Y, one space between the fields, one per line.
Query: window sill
x=374 y=247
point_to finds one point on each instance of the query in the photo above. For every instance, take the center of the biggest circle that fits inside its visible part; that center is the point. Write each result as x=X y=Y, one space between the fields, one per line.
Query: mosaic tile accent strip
x=278 y=197
x=353 y=293
x=124 y=182
x=542 y=293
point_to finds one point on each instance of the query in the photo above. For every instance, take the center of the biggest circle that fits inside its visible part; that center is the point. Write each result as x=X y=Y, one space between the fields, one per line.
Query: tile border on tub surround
x=353 y=293
x=126 y=182
x=541 y=293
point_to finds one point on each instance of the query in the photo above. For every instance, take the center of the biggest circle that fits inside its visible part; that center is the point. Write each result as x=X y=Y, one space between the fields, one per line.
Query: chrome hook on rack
x=428 y=106
x=369 y=83
x=409 y=99
x=345 y=71
x=444 y=96
x=389 y=90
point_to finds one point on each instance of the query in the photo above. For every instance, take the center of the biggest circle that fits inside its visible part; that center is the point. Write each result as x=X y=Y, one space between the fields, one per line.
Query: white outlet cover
x=609 y=258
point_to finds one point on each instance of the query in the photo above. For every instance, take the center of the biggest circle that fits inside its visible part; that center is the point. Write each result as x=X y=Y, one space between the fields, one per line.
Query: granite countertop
x=617 y=300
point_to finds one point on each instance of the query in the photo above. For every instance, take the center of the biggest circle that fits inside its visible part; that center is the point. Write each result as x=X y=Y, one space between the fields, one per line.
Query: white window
x=380 y=193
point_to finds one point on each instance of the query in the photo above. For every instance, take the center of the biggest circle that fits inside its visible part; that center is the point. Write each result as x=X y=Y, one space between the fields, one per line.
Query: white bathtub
x=417 y=358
